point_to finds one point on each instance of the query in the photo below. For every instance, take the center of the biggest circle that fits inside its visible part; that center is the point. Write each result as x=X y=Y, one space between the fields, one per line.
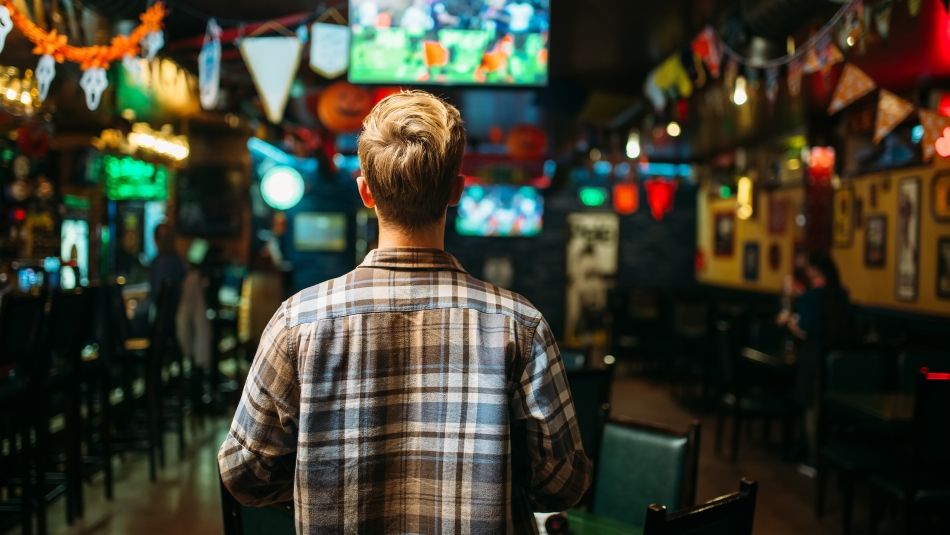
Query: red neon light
x=938 y=376
x=944 y=106
x=19 y=214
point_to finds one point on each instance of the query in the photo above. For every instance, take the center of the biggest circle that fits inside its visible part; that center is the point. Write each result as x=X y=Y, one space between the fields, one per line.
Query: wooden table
x=884 y=411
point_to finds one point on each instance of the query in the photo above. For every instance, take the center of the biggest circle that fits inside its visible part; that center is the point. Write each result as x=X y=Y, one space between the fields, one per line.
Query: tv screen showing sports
x=464 y=42
x=500 y=211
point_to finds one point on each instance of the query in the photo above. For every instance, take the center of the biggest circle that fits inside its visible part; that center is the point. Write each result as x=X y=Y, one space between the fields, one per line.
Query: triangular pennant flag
x=891 y=111
x=832 y=56
x=273 y=63
x=934 y=125
x=329 y=49
x=812 y=62
x=854 y=84
x=706 y=47
x=795 y=77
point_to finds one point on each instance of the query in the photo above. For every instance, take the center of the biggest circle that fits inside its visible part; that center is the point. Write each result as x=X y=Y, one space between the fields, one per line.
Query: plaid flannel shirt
x=407 y=397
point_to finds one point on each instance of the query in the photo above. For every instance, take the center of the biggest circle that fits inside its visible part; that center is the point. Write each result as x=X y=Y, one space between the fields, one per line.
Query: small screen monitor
x=320 y=231
x=500 y=211
x=463 y=42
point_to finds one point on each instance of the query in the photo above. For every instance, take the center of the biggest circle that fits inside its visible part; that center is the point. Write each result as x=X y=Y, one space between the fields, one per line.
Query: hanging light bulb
x=633 y=144
x=740 y=96
x=673 y=129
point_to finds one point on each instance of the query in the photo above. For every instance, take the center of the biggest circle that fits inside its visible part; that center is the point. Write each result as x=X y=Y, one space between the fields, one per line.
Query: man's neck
x=431 y=237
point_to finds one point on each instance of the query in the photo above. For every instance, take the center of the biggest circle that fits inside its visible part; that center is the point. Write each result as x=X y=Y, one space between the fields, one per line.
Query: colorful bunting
x=853 y=85
x=671 y=75
x=891 y=111
x=812 y=61
x=273 y=63
x=832 y=56
x=934 y=124
x=795 y=77
x=706 y=47
x=329 y=49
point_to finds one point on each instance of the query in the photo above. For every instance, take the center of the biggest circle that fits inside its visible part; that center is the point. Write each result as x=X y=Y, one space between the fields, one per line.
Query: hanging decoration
x=706 y=47
x=660 y=196
x=93 y=60
x=934 y=125
x=6 y=25
x=832 y=57
x=795 y=77
x=854 y=84
x=653 y=92
x=45 y=72
x=913 y=7
x=209 y=66
x=343 y=106
x=329 y=48
x=273 y=63
x=891 y=111
x=771 y=85
x=626 y=198
x=671 y=75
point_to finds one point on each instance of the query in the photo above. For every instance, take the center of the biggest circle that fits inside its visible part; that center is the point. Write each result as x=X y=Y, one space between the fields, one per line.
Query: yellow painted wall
x=875 y=287
x=727 y=271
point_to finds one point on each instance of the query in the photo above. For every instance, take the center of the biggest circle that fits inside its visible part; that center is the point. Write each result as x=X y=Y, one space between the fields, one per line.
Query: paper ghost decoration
x=94 y=82
x=6 y=24
x=45 y=72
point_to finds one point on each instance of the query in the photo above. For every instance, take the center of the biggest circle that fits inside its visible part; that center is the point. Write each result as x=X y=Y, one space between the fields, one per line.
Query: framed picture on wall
x=943 y=267
x=724 y=233
x=875 y=241
x=907 y=247
x=941 y=196
x=750 y=261
x=843 y=221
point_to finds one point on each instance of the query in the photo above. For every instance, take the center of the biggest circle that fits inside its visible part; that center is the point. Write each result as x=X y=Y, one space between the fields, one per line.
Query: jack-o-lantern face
x=526 y=141
x=343 y=106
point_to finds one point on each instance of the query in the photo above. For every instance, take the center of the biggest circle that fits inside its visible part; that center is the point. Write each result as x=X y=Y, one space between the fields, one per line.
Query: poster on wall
x=943 y=267
x=750 y=261
x=724 y=233
x=875 y=241
x=941 y=196
x=843 y=217
x=908 y=238
x=592 y=251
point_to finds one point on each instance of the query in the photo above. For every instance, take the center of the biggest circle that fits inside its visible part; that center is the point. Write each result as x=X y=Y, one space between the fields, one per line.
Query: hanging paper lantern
x=821 y=163
x=526 y=142
x=343 y=106
x=626 y=198
x=660 y=195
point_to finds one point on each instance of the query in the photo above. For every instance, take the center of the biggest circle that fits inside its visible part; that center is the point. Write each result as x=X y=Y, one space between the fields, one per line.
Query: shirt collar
x=411 y=258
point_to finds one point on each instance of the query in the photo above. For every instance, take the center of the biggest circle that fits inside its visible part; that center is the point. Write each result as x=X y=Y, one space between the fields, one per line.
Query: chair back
x=590 y=390
x=21 y=332
x=854 y=372
x=910 y=362
x=113 y=328
x=71 y=320
x=642 y=463
x=931 y=431
x=732 y=514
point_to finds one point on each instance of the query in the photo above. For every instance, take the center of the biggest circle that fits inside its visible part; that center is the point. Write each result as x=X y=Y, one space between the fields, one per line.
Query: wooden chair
x=919 y=479
x=732 y=514
x=662 y=461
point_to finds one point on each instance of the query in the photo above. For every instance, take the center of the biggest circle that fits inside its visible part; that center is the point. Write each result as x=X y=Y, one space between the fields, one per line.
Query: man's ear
x=365 y=194
x=457 y=189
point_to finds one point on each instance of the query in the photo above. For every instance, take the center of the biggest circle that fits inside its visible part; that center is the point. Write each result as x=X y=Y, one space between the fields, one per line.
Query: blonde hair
x=410 y=153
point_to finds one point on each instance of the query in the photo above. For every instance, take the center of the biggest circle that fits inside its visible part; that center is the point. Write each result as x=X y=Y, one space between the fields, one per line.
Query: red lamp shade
x=660 y=195
x=626 y=198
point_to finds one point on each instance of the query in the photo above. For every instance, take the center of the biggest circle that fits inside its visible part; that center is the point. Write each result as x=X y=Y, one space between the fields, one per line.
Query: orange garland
x=88 y=57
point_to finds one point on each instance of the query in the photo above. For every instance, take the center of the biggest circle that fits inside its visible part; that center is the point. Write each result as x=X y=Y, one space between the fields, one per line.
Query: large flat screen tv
x=505 y=211
x=462 y=42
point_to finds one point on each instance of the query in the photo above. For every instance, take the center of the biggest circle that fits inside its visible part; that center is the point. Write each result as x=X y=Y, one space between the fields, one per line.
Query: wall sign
x=875 y=241
x=127 y=178
x=592 y=257
x=908 y=238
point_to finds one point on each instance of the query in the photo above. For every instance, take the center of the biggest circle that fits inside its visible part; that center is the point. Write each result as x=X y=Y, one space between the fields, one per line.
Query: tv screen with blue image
x=500 y=210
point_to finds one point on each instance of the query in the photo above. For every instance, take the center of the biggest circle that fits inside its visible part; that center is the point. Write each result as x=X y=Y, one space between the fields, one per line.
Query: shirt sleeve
x=258 y=456
x=560 y=472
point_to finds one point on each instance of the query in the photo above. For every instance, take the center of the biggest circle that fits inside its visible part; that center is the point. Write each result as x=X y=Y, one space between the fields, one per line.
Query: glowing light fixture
x=592 y=197
x=744 y=198
x=282 y=187
x=674 y=129
x=633 y=144
x=740 y=96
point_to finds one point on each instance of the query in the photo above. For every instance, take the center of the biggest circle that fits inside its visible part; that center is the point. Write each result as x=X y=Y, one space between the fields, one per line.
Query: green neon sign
x=593 y=196
x=130 y=179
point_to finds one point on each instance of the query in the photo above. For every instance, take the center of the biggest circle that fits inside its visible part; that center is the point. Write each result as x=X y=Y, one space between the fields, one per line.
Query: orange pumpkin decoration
x=343 y=106
x=527 y=142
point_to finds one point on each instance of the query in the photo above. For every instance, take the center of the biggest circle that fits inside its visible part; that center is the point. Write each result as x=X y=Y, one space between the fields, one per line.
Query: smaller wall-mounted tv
x=320 y=231
x=470 y=42
x=505 y=211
